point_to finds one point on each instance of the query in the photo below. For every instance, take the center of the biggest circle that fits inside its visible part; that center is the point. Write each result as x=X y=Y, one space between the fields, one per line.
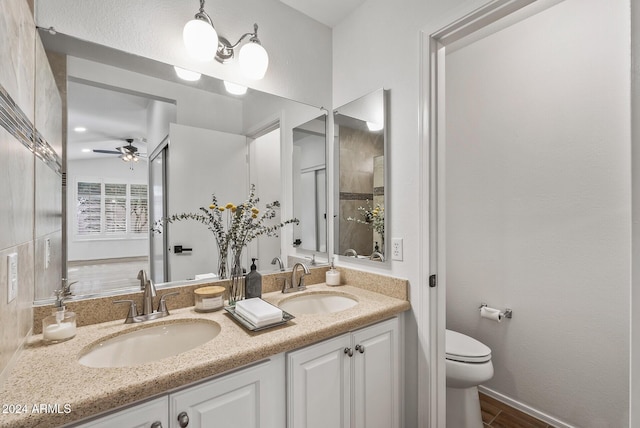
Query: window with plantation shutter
x=111 y=210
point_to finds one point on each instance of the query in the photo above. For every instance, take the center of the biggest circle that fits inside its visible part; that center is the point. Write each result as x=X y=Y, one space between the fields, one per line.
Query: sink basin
x=317 y=303
x=150 y=344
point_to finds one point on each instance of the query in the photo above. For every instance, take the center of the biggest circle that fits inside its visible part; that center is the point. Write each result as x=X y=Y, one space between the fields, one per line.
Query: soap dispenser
x=332 y=277
x=61 y=324
x=253 y=282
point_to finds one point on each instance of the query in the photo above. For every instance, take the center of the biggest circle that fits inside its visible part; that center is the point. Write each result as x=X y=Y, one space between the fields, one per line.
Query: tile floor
x=496 y=414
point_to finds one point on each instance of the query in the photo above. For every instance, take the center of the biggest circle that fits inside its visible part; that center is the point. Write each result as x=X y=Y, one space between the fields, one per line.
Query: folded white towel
x=259 y=312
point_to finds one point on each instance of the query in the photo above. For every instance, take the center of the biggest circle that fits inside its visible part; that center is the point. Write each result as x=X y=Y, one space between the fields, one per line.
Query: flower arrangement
x=233 y=226
x=373 y=217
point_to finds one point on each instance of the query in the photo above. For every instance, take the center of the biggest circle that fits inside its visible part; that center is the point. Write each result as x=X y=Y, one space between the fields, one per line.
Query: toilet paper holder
x=507 y=313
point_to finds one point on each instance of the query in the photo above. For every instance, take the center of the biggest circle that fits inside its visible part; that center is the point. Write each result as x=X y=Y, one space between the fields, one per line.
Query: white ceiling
x=328 y=12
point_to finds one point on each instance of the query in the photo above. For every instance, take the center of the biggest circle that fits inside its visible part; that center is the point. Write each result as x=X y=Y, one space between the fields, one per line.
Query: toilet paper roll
x=491 y=314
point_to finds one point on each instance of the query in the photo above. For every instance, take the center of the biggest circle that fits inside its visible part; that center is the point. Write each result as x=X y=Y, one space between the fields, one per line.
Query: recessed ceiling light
x=86 y=150
x=80 y=129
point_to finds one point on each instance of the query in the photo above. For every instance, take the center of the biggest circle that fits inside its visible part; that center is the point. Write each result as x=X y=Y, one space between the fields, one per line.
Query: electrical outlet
x=12 y=277
x=396 y=249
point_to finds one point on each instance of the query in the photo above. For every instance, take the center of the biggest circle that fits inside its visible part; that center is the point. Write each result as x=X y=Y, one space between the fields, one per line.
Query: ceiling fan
x=128 y=153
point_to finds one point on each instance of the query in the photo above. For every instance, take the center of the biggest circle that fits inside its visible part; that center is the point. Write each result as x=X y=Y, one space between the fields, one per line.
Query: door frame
x=460 y=26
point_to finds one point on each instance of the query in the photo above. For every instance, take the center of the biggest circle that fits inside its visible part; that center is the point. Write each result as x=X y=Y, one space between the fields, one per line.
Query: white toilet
x=468 y=365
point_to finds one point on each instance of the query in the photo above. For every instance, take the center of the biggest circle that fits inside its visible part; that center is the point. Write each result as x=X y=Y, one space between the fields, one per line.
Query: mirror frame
x=385 y=94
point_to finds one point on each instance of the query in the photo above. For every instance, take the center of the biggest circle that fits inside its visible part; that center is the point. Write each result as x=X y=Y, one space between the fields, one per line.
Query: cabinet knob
x=183 y=419
x=156 y=424
x=360 y=348
x=348 y=351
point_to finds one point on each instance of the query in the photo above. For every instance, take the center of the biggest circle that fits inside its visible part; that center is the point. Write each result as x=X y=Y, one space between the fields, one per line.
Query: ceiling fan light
x=188 y=75
x=135 y=158
x=200 y=39
x=253 y=60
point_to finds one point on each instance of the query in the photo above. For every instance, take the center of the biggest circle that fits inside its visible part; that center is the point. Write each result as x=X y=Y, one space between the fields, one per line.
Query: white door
x=319 y=385
x=202 y=162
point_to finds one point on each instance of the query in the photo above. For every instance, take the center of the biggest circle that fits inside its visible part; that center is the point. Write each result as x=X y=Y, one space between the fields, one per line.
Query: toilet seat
x=465 y=349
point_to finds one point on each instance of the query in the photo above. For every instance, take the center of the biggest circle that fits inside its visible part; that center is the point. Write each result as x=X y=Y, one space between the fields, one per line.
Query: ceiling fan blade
x=109 y=152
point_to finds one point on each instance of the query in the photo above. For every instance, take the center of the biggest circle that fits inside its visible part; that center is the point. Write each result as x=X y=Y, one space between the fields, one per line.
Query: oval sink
x=317 y=303
x=150 y=344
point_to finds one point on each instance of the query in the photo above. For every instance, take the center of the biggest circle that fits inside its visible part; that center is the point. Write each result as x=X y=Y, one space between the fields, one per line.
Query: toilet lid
x=460 y=347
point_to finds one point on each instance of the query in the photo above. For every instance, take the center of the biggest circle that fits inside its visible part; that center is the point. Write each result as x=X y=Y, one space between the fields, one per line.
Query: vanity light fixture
x=374 y=126
x=188 y=75
x=234 y=88
x=80 y=129
x=203 y=43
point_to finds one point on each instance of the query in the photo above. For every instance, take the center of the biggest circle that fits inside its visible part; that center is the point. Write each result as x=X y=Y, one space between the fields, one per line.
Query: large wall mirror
x=143 y=143
x=361 y=129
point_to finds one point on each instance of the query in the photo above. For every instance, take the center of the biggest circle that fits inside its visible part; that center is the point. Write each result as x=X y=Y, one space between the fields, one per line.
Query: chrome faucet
x=279 y=261
x=295 y=285
x=377 y=255
x=148 y=313
x=351 y=253
x=149 y=292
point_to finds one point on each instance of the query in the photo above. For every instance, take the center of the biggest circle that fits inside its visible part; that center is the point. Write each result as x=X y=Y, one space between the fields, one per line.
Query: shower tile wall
x=20 y=169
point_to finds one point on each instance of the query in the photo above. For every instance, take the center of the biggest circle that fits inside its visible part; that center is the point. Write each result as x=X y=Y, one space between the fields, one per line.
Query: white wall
x=538 y=207
x=113 y=167
x=299 y=48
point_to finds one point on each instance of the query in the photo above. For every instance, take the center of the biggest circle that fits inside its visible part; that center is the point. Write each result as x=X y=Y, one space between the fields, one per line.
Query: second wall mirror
x=361 y=129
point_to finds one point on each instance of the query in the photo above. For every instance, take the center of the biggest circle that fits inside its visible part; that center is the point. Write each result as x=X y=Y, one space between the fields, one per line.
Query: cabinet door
x=143 y=415
x=319 y=385
x=250 y=398
x=376 y=371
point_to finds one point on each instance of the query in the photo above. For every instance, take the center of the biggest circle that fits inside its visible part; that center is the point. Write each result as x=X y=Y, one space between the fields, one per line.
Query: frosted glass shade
x=254 y=61
x=374 y=126
x=188 y=75
x=234 y=88
x=200 y=39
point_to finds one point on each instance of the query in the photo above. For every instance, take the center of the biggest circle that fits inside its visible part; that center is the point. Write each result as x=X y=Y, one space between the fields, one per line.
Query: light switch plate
x=396 y=249
x=12 y=277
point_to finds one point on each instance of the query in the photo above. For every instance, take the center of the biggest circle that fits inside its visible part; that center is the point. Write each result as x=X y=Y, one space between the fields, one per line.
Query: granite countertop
x=51 y=374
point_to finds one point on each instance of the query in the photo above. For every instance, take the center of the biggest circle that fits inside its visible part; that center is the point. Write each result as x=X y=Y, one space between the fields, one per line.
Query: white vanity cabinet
x=252 y=397
x=150 y=414
x=349 y=381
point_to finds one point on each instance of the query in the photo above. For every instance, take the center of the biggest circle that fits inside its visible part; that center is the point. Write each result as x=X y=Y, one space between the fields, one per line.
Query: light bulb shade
x=254 y=61
x=200 y=39
x=188 y=75
x=374 y=126
x=234 y=88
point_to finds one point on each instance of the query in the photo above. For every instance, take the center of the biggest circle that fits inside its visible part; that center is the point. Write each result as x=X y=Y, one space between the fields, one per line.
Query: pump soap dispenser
x=332 y=277
x=61 y=324
x=253 y=281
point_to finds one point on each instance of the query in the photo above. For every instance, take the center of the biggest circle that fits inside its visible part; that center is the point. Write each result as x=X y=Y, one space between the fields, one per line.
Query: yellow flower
x=375 y=212
x=212 y=207
x=229 y=205
x=255 y=210
x=254 y=215
x=233 y=208
x=220 y=209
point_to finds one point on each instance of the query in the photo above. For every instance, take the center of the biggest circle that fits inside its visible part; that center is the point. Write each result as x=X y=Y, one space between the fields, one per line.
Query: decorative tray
x=251 y=326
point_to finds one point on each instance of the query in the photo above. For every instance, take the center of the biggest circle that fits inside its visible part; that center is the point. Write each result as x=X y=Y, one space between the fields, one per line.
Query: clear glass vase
x=222 y=263
x=236 y=281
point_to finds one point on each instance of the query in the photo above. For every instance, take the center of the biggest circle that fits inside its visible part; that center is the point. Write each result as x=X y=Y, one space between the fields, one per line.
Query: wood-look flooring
x=496 y=414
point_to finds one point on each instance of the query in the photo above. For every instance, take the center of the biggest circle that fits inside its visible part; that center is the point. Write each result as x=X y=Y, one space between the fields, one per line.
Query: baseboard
x=524 y=408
